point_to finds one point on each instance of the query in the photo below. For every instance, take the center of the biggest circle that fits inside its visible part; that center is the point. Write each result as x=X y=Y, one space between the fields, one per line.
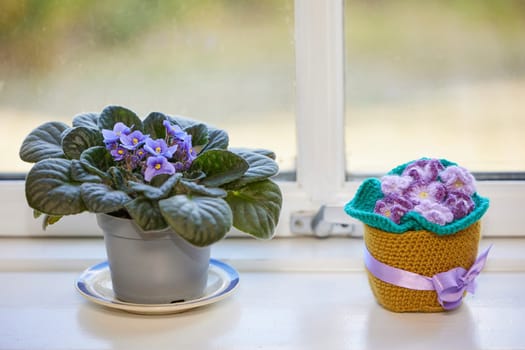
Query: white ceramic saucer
x=95 y=285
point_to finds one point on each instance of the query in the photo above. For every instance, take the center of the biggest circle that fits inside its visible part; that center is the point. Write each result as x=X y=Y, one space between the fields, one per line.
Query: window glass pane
x=229 y=63
x=435 y=78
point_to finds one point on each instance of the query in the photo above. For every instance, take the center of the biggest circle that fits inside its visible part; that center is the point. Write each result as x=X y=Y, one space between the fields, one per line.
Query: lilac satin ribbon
x=449 y=286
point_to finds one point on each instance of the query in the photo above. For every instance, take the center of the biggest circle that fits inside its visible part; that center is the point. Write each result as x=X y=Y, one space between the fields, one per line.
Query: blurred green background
x=230 y=63
x=436 y=78
x=423 y=78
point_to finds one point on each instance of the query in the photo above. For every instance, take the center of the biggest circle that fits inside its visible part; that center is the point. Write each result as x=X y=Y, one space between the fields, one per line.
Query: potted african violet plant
x=164 y=189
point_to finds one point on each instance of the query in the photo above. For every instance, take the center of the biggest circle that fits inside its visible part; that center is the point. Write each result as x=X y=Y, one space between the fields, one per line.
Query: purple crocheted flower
x=395 y=184
x=460 y=204
x=420 y=192
x=393 y=207
x=435 y=212
x=458 y=179
x=440 y=194
x=424 y=170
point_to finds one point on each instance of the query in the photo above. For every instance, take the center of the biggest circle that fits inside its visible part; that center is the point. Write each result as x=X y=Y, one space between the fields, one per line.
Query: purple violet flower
x=460 y=204
x=435 y=212
x=119 y=153
x=185 y=150
x=420 y=192
x=135 y=157
x=111 y=145
x=424 y=170
x=119 y=129
x=159 y=147
x=393 y=207
x=156 y=166
x=395 y=184
x=133 y=140
x=458 y=179
x=174 y=130
x=140 y=153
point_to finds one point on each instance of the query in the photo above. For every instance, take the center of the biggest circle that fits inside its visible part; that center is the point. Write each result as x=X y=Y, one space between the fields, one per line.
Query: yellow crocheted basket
x=414 y=238
x=422 y=252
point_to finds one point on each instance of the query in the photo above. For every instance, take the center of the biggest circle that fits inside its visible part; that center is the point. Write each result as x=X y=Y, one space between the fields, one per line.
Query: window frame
x=321 y=179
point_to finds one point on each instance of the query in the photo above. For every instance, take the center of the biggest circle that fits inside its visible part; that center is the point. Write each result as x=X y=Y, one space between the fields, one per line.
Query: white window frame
x=319 y=50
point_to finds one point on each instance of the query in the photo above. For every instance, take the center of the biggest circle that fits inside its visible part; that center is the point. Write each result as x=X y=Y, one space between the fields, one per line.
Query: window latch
x=327 y=221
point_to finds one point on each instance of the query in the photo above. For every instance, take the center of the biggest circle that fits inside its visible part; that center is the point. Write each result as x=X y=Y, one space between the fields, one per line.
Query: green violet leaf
x=44 y=142
x=218 y=139
x=80 y=174
x=86 y=120
x=50 y=220
x=261 y=167
x=195 y=188
x=199 y=220
x=220 y=167
x=50 y=188
x=199 y=134
x=181 y=121
x=97 y=160
x=153 y=125
x=114 y=114
x=77 y=140
x=256 y=208
x=146 y=214
x=100 y=198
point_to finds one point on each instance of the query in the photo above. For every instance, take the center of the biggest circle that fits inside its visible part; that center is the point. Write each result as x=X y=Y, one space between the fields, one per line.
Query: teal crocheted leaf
x=362 y=206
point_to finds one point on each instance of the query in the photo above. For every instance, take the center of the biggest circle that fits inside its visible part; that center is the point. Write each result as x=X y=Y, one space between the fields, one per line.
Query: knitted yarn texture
x=414 y=244
x=362 y=206
x=421 y=252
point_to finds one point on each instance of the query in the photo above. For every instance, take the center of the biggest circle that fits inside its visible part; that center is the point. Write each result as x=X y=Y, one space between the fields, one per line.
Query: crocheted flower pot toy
x=422 y=230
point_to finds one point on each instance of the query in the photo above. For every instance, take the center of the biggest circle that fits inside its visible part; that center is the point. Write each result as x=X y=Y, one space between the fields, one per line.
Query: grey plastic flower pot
x=152 y=267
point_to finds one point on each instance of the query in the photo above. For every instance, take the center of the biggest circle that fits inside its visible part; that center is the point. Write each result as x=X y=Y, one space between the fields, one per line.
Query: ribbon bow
x=450 y=285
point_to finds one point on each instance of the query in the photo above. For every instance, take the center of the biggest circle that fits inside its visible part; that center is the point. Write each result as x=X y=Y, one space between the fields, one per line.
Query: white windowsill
x=299 y=293
x=245 y=254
